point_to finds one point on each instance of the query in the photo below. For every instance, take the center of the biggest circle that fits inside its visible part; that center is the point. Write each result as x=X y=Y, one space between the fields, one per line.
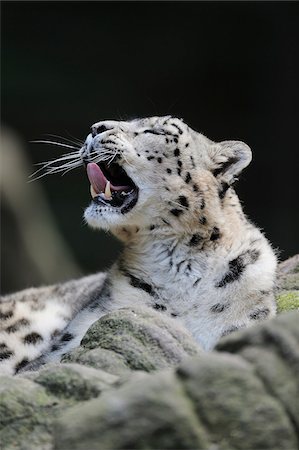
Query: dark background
x=229 y=69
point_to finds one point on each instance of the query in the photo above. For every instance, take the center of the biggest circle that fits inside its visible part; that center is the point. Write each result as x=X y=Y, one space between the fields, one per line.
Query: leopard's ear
x=229 y=158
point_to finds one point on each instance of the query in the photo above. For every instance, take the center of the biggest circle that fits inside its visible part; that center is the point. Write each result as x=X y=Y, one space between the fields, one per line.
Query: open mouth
x=111 y=186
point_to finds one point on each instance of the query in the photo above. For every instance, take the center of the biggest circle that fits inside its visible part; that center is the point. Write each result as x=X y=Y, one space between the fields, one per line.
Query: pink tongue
x=96 y=177
x=98 y=180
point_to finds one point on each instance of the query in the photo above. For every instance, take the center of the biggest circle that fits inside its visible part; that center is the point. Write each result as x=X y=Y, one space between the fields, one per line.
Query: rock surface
x=134 y=339
x=288 y=283
x=139 y=380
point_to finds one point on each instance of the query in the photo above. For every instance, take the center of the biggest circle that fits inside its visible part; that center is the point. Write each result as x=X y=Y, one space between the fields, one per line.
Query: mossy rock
x=287 y=297
x=287 y=301
x=26 y=415
x=134 y=339
x=216 y=401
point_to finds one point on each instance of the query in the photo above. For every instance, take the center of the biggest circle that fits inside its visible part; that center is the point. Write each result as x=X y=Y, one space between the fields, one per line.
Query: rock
x=99 y=358
x=134 y=339
x=216 y=401
x=26 y=415
x=74 y=381
x=139 y=380
x=234 y=405
x=273 y=349
x=148 y=412
x=287 y=297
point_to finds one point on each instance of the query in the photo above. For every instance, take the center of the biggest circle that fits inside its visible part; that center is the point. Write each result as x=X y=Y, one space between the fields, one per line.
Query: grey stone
x=139 y=381
x=26 y=415
x=134 y=339
x=235 y=405
x=273 y=349
x=287 y=295
x=148 y=412
x=73 y=381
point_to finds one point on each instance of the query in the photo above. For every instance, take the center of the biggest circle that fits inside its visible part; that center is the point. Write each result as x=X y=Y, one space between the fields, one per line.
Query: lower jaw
x=127 y=205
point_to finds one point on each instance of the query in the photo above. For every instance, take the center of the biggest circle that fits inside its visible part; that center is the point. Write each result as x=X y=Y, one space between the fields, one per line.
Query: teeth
x=93 y=192
x=108 y=194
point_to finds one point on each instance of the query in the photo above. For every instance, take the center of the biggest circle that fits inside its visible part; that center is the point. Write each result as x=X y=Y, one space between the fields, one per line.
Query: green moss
x=287 y=301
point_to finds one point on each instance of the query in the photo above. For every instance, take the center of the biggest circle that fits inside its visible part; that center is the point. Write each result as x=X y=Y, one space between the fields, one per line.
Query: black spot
x=173 y=315
x=176 y=140
x=108 y=142
x=192 y=161
x=152 y=227
x=225 y=166
x=188 y=178
x=195 y=240
x=187 y=145
x=202 y=220
x=237 y=267
x=32 y=338
x=259 y=314
x=21 y=364
x=6 y=355
x=230 y=330
x=176 y=212
x=167 y=140
x=178 y=266
x=137 y=283
x=223 y=189
x=165 y=221
x=159 y=160
x=17 y=325
x=3 y=346
x=196 y=282
x=178 y=128
x=168 y=170
x=203 y=204
x=54 y=347
x=179 y=171
x=66 y=337
x=189 y=267
x=138 y=154
x=101 y=129
x=150 y=157
x=195 y=188
x=180 y=163
x=176 y=152
x=215 y=234
x=151 y=132
x=6 y=315
x=159 y=307
x=182 y=200
x=218 y=308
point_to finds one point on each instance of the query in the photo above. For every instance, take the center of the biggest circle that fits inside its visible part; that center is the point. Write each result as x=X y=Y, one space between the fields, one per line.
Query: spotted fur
x=190 y=252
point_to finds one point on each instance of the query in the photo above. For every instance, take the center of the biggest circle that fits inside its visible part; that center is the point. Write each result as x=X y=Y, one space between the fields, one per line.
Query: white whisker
x=67 y=140
x=60 y=144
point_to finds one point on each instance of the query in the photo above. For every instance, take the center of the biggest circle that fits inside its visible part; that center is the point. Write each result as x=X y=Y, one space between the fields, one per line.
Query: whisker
x=177 y=204
x=67 y=140
x=60 y=144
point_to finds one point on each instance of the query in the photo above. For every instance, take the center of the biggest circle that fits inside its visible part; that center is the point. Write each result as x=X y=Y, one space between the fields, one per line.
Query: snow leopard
x=167 y=192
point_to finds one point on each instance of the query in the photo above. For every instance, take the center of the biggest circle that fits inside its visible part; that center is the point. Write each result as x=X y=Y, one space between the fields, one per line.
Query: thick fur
x=189 y=252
